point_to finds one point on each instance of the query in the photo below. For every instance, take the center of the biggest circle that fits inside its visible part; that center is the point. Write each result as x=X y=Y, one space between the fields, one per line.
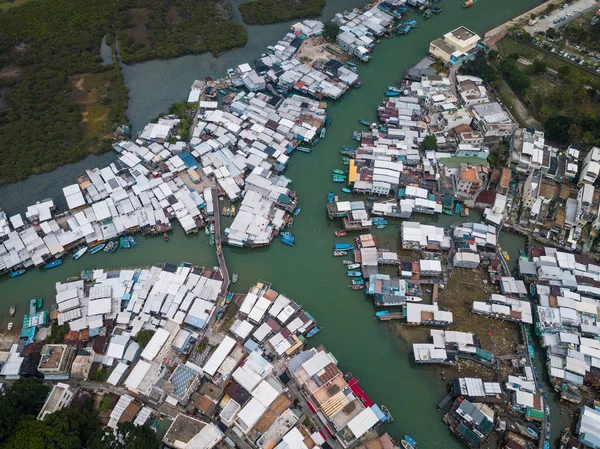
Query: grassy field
x=509 y=45
x=95 y=92
x=5 y=5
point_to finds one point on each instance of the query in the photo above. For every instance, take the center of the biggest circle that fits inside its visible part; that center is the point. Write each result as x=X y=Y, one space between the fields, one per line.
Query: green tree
x=539 y=66
x=478 y=66
x=564 y=71
x=557 y=128
x=58 y=333
x=331 y=31
x=517 y=79
x=126 y=436
x=429 y=143
x=143 y=337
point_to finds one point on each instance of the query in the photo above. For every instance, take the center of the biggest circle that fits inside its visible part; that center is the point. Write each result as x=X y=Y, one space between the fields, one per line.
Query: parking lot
x=560 y=17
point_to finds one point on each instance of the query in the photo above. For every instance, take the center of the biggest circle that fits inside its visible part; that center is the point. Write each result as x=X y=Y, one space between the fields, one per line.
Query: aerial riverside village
x=468 y=235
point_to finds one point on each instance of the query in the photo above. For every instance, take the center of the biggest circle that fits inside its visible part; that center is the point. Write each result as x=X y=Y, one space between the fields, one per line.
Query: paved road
x=573 y=10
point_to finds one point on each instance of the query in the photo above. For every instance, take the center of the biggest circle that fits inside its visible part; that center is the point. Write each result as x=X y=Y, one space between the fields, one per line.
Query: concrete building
x=529 y=151
x=468 y=181
x=591 y=167
x=60 y=397
x=455 y=46
x=56 y=361
x=493 y=120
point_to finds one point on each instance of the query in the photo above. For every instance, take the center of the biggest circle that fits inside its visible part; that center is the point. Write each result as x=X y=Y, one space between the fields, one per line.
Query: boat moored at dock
x=14 y=274
x=80 y=252
x=340 y=233
x=340 y=253
x=97 y=248
x=342 y=247
x=314 y=331
x=288 y=238
x=53 y=264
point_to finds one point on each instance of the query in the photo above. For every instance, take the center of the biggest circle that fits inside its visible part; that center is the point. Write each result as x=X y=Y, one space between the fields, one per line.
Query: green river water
x=307 y=272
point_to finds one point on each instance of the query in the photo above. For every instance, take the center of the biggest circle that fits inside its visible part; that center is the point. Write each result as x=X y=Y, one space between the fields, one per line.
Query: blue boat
x=353 y=274
x=14 y=274
x=297 y=211
x=389 y=93
x=372 y=198
x=330 y=197
x=288 y=238
x=304 y=149
x=229 y=298
x=97 y=248
x=351 y=64
x=532 y=289
x=323 y=132
x=378 y=221
x=54 y=263
x=412 y=24
x=348 y=149
x=346 y=190
x=132 y=241
x=382 y=313
x=410 y=441
x=314 y=331
x=363 y=122
x=316 y=141
x=531 y=432
x=358 y=281
x=546 y=444
x=338 y=178
x=328 y=121
x=342 y=247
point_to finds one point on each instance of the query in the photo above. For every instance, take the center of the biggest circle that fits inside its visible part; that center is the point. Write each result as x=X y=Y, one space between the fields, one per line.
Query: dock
x=218 y=245
x=392 y=316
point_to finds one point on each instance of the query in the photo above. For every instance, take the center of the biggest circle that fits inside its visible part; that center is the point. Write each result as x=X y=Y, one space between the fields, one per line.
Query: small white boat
x=10 y=326
x=406 y=445
x=347 y=262
x=352 y=266
x=80 y=252
x=413 y=299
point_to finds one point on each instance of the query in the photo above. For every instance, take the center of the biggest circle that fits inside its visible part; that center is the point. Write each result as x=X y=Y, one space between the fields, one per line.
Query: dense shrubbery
x=169 y=28
x=261 y=12
x=42 y=44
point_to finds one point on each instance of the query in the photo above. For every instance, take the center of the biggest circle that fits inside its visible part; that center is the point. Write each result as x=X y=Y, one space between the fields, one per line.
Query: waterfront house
x=471 y=423
x=588 y=427
x=455 y=46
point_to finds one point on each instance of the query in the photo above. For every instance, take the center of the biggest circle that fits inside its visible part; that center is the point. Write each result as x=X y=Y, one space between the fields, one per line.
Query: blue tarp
x=188 y=160
x=380 y=415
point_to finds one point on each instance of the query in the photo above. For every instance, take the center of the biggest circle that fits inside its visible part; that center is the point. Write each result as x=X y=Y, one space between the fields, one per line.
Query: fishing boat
x=378 y=221
x=32 y=306
x=345 y=161
x=340 y=253
x=382 y=313
x=109 y=246
x=297 y=211
x=532 y=432
x=222 y=91
x=54 y=263
x=436 y=9
x=229 y=297
x=413 y=299
x=315 y=142
x=304 y=149
x=402 y=30
x=468 y=3
x=10 y=326
x=390 y=93
x=207 y=230
x=353 y=274
x=363 y=122
x=323 y=132
x=357 y=286
x=532 y=289
x=340 y=233
x=14 y=274
x=337 y=171
x=328 y=121
x=211 y=240
x=234 y=277
x=466 y=212
x=338 y=179
x=356 y=135
x=80 y=252
x=353 y=266
x=124 y=243
x=132 y=241
x=412 y=23
x=225 y=211
x=457 y=209
x=351 y=64
x=380 y=226
x=97 y=248
x=212 y=228
x=233 y=211
x=39 y=303
x=358 y=85
x=288 y=238
x=358 y=281
x=314 y=331
x=115 y=247
x=410 y=440
x=427 y=14
x=522 y=252
x=406 y=444
x=12 y=310
x=505 y=255
x=330 y=197
x=342 y=247
x=386 y=412
x=346 y=148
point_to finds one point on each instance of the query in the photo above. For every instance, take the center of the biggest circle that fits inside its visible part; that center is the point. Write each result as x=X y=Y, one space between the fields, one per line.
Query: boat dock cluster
x=236 y=364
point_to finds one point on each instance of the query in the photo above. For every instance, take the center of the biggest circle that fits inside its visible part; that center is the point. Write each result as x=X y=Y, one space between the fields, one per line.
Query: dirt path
x=519 y=109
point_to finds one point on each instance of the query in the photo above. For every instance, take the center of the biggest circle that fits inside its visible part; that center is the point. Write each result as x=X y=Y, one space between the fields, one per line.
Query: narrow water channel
x=307 y=272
